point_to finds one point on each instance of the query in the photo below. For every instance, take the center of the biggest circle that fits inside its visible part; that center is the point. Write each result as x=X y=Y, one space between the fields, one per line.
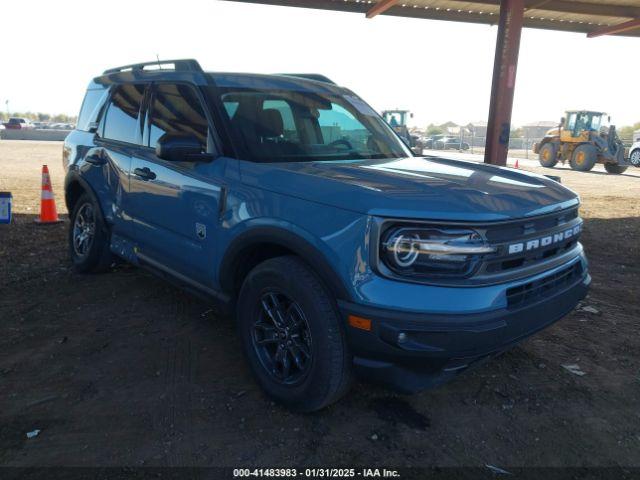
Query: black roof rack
x=310 y=76
x=183 y=65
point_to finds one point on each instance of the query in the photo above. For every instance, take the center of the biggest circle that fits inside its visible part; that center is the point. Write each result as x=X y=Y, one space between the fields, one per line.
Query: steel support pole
x=504 y=81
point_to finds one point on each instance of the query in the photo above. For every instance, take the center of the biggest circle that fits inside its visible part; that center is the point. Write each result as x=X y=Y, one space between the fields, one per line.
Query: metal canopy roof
x=593 y=17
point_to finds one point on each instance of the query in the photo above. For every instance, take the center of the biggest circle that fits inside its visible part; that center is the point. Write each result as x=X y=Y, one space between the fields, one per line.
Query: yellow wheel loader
x=397 y=119
x=583 y=140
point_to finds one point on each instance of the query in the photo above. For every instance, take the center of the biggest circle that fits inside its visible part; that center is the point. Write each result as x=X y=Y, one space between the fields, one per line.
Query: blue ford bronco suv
x=288 y=201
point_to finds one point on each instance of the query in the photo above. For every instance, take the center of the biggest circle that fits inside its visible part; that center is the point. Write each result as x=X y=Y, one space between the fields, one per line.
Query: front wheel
x=89 y=237
x=584 y=157
x=634 y=158
x=614 y=168
x=292 y=335
x=548 y=155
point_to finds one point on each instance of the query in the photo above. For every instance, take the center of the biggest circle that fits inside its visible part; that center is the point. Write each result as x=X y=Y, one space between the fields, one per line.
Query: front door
x=175 y=204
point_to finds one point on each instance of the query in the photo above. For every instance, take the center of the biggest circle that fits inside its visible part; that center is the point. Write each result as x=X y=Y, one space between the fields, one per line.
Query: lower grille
x=530 y=292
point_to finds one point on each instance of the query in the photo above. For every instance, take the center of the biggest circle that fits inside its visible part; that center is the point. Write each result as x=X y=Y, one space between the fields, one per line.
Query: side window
x=122 y=118
x=91 y=104
x=571 y=121
x=288 y=124
x=231 y=107
x=176 y=110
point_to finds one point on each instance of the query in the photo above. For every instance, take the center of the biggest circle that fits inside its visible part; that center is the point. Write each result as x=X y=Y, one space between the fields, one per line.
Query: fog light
x=402 y=337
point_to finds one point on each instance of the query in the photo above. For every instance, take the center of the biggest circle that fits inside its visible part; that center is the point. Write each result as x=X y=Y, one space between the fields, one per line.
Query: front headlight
x=432 y=251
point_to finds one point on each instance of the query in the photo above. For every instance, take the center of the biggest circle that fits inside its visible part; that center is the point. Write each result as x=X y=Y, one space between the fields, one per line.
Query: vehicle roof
x=308 y=82
x=586 y=111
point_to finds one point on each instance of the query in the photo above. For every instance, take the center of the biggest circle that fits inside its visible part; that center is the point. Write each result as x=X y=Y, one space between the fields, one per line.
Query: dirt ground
x=124 y=369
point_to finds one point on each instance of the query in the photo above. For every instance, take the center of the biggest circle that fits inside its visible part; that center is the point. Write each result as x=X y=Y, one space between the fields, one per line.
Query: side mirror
x=562 y=120
x=93 y=127
x=179 y=148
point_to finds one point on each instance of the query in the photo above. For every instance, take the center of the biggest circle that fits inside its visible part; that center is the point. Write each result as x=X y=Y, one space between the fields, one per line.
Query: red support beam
x=611 y=29
x=381 y=7
x=504 y=81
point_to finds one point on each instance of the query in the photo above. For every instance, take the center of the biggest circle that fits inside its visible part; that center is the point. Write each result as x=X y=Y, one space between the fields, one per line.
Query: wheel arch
x=261 y=243
x=74 y=187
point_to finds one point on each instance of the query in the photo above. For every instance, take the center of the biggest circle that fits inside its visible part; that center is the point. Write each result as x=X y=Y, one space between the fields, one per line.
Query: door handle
x=144 y=173
x=95 y=159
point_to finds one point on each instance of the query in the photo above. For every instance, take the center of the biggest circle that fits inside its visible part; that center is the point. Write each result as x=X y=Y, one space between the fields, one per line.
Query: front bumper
x=437 y=347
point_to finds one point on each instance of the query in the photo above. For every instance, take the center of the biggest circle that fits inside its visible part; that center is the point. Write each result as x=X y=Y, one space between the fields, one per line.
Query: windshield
x=282 y=125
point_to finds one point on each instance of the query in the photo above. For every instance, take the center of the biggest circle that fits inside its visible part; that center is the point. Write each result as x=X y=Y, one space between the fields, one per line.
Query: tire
x=584 y=157
x=319 y=378
x=615 y=168
x=634 y=157
x=93 y=254
x=548 y=155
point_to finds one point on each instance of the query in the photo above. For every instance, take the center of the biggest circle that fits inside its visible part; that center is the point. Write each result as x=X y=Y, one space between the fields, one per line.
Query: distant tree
x=40 y=117
x=62 y=118
x=434 y=129
x=627 y=131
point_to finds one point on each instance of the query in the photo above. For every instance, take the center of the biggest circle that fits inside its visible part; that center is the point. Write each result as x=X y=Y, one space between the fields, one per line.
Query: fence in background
x=518 y=146
x=34 y=134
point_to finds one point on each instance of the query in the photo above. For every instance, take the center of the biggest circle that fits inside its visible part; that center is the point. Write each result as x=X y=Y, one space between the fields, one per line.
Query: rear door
x=175 y=204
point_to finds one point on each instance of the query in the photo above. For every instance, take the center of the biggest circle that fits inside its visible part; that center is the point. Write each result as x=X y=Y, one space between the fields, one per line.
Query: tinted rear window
x=122 y=119
x=93 y=100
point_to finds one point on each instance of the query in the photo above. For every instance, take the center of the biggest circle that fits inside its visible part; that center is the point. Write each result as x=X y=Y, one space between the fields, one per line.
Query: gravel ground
x=123 y=369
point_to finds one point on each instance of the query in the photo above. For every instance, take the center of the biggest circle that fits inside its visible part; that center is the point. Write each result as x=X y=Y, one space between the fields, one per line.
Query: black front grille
x=525 y=260
x=516 y=229
x=523 y=295
x=503 y=236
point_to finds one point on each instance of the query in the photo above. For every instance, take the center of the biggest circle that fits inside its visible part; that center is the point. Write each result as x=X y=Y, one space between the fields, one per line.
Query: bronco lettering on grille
x=544 y=241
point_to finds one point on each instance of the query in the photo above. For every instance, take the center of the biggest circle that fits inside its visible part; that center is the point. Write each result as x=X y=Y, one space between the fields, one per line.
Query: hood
x=415 y=187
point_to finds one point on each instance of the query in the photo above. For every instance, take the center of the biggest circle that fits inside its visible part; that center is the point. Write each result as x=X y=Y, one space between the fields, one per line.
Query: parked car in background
x=634 y=154
x=444 y=142
x=62 y=126
x=451 y=143
x=18 y=123
x=429 y=142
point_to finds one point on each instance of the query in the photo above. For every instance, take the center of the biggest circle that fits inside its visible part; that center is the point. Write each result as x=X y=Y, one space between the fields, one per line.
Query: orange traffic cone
x=48 y=212
x=517 y=164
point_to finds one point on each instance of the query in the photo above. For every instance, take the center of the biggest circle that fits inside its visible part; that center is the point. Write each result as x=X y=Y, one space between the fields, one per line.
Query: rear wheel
x=614 y=168
x=548 y=155
x=584 y=157
x=292 y=335
x=89 y=237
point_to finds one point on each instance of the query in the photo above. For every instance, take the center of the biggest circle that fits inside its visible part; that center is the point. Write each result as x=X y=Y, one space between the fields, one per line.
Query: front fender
x=287 y=235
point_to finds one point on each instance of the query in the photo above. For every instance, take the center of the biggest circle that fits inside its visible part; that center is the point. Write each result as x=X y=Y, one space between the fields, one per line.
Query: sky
x=439 y=70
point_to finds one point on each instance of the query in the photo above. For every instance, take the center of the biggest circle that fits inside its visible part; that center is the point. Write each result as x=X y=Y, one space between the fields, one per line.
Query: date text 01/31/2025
x=316 y=473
